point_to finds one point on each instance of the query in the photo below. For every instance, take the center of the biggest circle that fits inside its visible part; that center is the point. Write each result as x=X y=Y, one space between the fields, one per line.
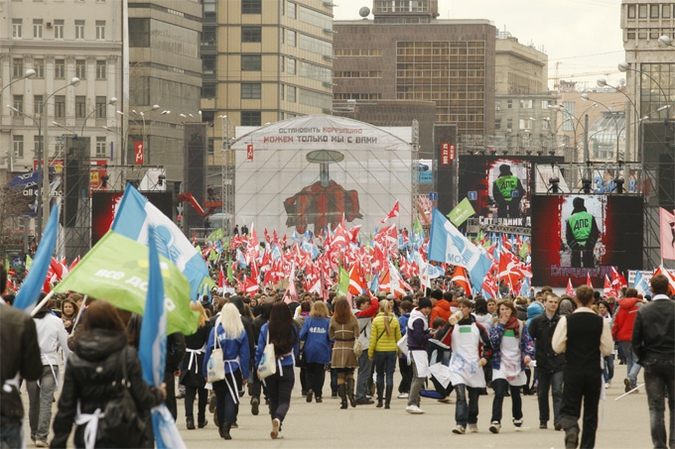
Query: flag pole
x=42 y=303
x=79 y=313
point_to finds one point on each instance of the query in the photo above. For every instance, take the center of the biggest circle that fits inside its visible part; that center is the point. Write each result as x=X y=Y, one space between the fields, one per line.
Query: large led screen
x=577 y=235
x=104 y=205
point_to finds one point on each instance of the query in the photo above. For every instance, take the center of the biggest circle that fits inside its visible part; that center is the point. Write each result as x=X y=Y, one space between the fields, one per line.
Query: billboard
x=306 y=173
x=500 y=188
x=104 y=205
x=575 y=235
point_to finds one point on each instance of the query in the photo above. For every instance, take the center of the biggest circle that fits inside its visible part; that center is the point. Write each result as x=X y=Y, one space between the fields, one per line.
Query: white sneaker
x=403 y=396
x=473 y=428
x=414 y=410
x=519 y=424
x=275 y=428
x=495 y=426
x=459 y=430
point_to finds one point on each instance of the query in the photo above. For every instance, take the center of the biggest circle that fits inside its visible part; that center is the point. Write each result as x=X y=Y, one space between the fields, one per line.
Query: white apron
x=510 y=364
x=465 y=357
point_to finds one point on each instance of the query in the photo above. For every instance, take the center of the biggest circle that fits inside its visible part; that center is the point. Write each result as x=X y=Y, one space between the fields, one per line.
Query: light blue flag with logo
x=133 y=217
x=32 y=286
x=640 y=284
x=152 y=348
x=447 y=244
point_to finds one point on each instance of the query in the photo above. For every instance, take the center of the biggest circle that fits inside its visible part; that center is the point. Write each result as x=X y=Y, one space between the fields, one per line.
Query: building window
x=80 y=106
x=251 y=6
x=292 y=94
x=58 y=29
x=631 y=11
x=665 y=12
x=498 y=124
x=100 y=147
x=18 y=103
x=568 y=115
x=291 y=38
x=59 y=68
x=17 y=28
x=209 y=8
x=17 y=68
x=37 y=28
x=81 y=68
x=39 y=67
x=526 y=104
x=210 y=35
x=140 y=37
x=282 y=91
x=208 y=90
x=209 y=64
x=251 y=118
x=291 y=66
x=101 y=103
x=251 y=34
x=251 y=63
x=79 y=29
x=100 y=30
x=59 y=106
x=282 y=63
x=509 y=104
x=642 y=11
x=37 y=104
x=251 y=91
x=654 y=11
x=292 y=10
x=101 y=69
x=18 y=146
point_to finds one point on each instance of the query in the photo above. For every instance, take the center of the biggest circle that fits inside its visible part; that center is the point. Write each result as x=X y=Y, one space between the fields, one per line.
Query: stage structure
x=305 y=173
x=76 y=211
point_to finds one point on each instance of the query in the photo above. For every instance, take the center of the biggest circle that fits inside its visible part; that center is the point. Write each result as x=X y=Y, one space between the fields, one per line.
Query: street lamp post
x=30 y=74
x=45 y=153
x=112 y=101
x=145 y=145
x=586 y=97
x=603 y=83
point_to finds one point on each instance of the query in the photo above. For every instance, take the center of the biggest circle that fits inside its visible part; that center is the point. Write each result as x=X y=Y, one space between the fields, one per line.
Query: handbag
x=403 y=345
x=121 y=422
x=215 y=367
x=267 y=365
x=358 y=348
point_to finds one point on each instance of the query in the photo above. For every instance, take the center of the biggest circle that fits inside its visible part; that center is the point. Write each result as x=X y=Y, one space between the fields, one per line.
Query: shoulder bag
x=215 y=367
x=267 y=365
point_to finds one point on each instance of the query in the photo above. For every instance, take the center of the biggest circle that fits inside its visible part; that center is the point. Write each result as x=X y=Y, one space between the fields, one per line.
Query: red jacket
x=622 y=330
x=441 y=310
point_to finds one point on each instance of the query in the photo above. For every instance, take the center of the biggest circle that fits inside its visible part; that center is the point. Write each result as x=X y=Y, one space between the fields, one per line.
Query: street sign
x=433 y=196
x=472 y=195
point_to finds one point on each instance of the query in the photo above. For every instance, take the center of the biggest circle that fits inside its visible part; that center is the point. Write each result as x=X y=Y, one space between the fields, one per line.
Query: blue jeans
x=659 y=378
x=500 y=386
x=385 y=364
x=364 y=376
x=11 y=432
x=554 y=382
x=632 y=367
x=608 y=368
x=40 y=400
x=466 y=412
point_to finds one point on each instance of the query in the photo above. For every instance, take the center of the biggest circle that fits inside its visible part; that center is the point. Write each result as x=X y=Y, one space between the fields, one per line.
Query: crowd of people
x=444 y=341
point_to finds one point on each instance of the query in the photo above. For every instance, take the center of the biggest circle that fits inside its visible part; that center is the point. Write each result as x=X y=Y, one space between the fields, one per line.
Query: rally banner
x=461 y=212
x=116 y=269
x=447 y=244
x=134 y=215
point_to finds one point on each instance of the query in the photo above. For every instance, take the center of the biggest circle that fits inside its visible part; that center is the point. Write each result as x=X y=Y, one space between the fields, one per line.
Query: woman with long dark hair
x=233 y=339
x=283 y=334
x=192 y=373
x=94 y=376
x=344 y=329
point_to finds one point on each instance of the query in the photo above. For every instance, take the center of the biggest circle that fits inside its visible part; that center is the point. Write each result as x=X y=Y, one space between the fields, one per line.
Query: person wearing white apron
x=418 y=334
x=470 y=352
x=512 y=351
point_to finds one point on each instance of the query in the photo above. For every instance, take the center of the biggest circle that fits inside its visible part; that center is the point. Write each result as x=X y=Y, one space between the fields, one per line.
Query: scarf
x=513 y=324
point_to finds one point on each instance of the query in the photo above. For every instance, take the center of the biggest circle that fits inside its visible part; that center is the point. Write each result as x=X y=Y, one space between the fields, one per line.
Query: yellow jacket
x=379 y=340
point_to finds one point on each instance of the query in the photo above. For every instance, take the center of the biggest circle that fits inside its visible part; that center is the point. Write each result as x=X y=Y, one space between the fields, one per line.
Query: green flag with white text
x=461 y=212
x=116 y=269
x=343 y=281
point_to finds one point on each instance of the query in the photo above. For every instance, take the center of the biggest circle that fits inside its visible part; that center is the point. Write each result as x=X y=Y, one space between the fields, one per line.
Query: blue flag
x=640 y=284
x=447 y=244
x=152 y=348
x=133 y=217
x=32 y=285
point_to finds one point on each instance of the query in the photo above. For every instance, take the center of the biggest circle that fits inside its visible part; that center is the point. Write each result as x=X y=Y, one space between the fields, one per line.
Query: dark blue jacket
x=418 y=331
x=317 y=341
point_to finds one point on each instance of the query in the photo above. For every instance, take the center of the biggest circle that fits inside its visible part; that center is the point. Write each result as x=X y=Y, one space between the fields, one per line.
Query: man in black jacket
x=583 y=336
x=550 y=366
x=654 y=344
x=19 y=356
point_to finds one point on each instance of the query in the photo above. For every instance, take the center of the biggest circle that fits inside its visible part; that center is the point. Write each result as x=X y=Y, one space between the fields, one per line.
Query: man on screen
x=582 y=233
x=507 y=191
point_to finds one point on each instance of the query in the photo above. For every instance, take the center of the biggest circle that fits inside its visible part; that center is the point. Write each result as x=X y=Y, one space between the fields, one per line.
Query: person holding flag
x=96 y=372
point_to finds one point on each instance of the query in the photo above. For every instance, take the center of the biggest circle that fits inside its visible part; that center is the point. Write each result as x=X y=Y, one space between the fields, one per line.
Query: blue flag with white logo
x=152 y=348
x=447 y=244
x=32 y=285
x=133 y=217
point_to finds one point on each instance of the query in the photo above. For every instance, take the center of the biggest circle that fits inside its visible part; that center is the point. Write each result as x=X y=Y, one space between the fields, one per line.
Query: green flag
x=524 y=250
x=461 y=212
x=343 y=281
x=417 y=226
x=29 y=262
x=213 y=255
x=230 y=275
x=116 y=269
x=215 y=235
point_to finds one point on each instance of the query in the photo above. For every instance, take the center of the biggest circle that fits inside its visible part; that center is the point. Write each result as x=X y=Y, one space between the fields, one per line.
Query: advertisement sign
x=139 y=151
x=448 y=153
x=578 y=235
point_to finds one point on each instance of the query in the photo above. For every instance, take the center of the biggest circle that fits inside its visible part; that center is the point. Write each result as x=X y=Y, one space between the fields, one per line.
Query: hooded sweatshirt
x=418 y=331
x=625 y=319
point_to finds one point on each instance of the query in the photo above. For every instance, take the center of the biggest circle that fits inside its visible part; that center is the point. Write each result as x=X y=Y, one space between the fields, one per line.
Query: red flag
x=607 y=288
x=194 y=238
x=509 y=269
x=291 y=294
x=393 y=213
x=461 y=278
x=221 y=278
x=667 y=227
x=618 y=281
x=356 y=282
x=671 y=279
x=588 y=280
x=490 y=286
x=250 y=285
x=570 y=288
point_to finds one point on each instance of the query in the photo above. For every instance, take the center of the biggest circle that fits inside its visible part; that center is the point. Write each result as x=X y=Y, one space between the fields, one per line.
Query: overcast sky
x=583 y=35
